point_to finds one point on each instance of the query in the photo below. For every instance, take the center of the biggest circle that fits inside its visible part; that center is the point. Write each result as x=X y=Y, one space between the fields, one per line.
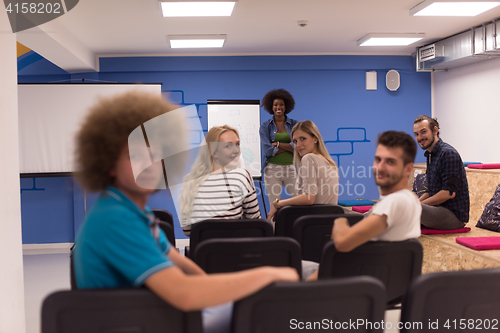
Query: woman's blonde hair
x=310 y=128
x=202 y=168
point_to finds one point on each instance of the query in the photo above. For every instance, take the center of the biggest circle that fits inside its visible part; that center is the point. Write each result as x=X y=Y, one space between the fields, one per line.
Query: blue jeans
x=217 y=319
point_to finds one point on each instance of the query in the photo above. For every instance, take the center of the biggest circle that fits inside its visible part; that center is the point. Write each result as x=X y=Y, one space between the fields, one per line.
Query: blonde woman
x=317 y=174
x=217 y=187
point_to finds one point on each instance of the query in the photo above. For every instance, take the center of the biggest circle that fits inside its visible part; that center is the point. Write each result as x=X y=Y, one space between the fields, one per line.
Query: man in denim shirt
x=446 y=204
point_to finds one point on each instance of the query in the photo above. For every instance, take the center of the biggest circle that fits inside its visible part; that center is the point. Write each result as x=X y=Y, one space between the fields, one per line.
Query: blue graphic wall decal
x=33 y=188
x=349 y=139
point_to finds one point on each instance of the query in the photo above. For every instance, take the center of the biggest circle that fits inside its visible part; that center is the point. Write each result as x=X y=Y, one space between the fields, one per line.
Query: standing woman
x=317 y=174
x=275 y=136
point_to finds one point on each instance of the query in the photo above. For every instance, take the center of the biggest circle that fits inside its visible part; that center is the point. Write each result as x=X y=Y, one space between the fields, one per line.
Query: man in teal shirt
x=119 y=245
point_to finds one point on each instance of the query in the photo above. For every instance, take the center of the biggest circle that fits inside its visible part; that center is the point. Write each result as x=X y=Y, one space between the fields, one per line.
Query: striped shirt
x=227 y=195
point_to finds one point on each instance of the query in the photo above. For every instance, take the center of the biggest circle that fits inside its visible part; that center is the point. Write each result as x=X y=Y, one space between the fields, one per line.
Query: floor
x=48 y=271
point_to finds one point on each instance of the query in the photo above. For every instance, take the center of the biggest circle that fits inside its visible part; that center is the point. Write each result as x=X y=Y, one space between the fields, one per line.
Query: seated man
x=396 y=217
x=446 y=203
x=120 y=244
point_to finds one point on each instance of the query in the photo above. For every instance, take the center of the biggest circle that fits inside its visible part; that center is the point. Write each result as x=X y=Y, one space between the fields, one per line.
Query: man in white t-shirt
x=396 y=217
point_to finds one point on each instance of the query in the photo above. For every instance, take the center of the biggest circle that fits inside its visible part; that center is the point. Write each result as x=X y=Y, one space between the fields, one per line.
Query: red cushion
x=361 y=209
x=480 y=243
x=484 y=166
x=426 y=231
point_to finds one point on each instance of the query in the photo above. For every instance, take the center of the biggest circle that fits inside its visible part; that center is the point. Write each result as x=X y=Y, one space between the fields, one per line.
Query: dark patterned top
x=445 y=171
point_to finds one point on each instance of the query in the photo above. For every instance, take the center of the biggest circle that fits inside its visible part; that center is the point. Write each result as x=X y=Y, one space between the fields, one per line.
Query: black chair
x=114 y=310
x=169 y=231
x=396 y=264
x=286 y=307
x=463 y=301
x=164 y=215
x=236 y=254
x=286 y=216
x=314 y=231
x=72 y=277
x=166 y=224
x=226 y=228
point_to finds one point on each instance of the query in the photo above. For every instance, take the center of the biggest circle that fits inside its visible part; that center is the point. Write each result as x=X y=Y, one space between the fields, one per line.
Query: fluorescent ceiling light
x=198 y=8
x=196 y=41
x=452 y=7
x=389 y=39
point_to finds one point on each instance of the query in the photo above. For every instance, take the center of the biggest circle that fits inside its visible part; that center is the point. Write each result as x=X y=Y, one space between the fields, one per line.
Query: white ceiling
x=136 y=27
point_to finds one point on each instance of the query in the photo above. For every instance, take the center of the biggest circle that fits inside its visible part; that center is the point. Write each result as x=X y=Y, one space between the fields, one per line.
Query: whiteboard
x=49 y=117
x=245 y=117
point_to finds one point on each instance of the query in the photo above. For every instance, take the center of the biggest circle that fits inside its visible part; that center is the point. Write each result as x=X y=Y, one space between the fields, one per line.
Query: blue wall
x=329 y=90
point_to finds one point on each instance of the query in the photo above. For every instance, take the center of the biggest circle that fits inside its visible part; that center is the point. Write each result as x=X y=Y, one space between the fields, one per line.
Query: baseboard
x=49 y=248
x=46 y=248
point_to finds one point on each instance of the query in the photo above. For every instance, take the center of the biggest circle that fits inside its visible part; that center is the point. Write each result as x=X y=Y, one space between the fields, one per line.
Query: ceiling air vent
x=430 y=52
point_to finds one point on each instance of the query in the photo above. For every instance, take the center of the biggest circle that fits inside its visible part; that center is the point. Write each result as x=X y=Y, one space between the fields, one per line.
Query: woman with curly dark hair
x=275 y=136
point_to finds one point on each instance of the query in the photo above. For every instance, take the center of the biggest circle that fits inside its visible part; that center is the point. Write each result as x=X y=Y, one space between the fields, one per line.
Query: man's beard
x=392 y=181
x=430 y=144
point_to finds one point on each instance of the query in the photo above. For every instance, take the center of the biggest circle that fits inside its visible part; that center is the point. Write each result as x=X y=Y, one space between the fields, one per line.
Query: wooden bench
x=442 y=252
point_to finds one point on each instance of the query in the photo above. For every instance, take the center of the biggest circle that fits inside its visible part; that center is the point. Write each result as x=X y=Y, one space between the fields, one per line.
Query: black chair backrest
x=463 y=301
x=314 y=231
x=168 y=223
x=72 y=277
x=396 y=264
x=169 y=231
x=286 y=307
x=164 y=215
x=236 y=254
x=225 y=228
x=286 y=216
x=114 y=310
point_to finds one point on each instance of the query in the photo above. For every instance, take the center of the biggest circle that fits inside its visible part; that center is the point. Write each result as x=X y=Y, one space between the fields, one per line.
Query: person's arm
x=347 y=238
x=250 y=204
x=450 y=166
x=287 y=147
x=195 y=292
x=423 y=196
x=282 y=147
x=299 y=200
x=265 y=139
x=185 y=264
x=438 y=198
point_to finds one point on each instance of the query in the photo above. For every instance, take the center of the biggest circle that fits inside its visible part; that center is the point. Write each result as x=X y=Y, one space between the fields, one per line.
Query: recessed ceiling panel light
x=196 y=8
x=389 y=39
x=196 y=41
x=452 y=7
